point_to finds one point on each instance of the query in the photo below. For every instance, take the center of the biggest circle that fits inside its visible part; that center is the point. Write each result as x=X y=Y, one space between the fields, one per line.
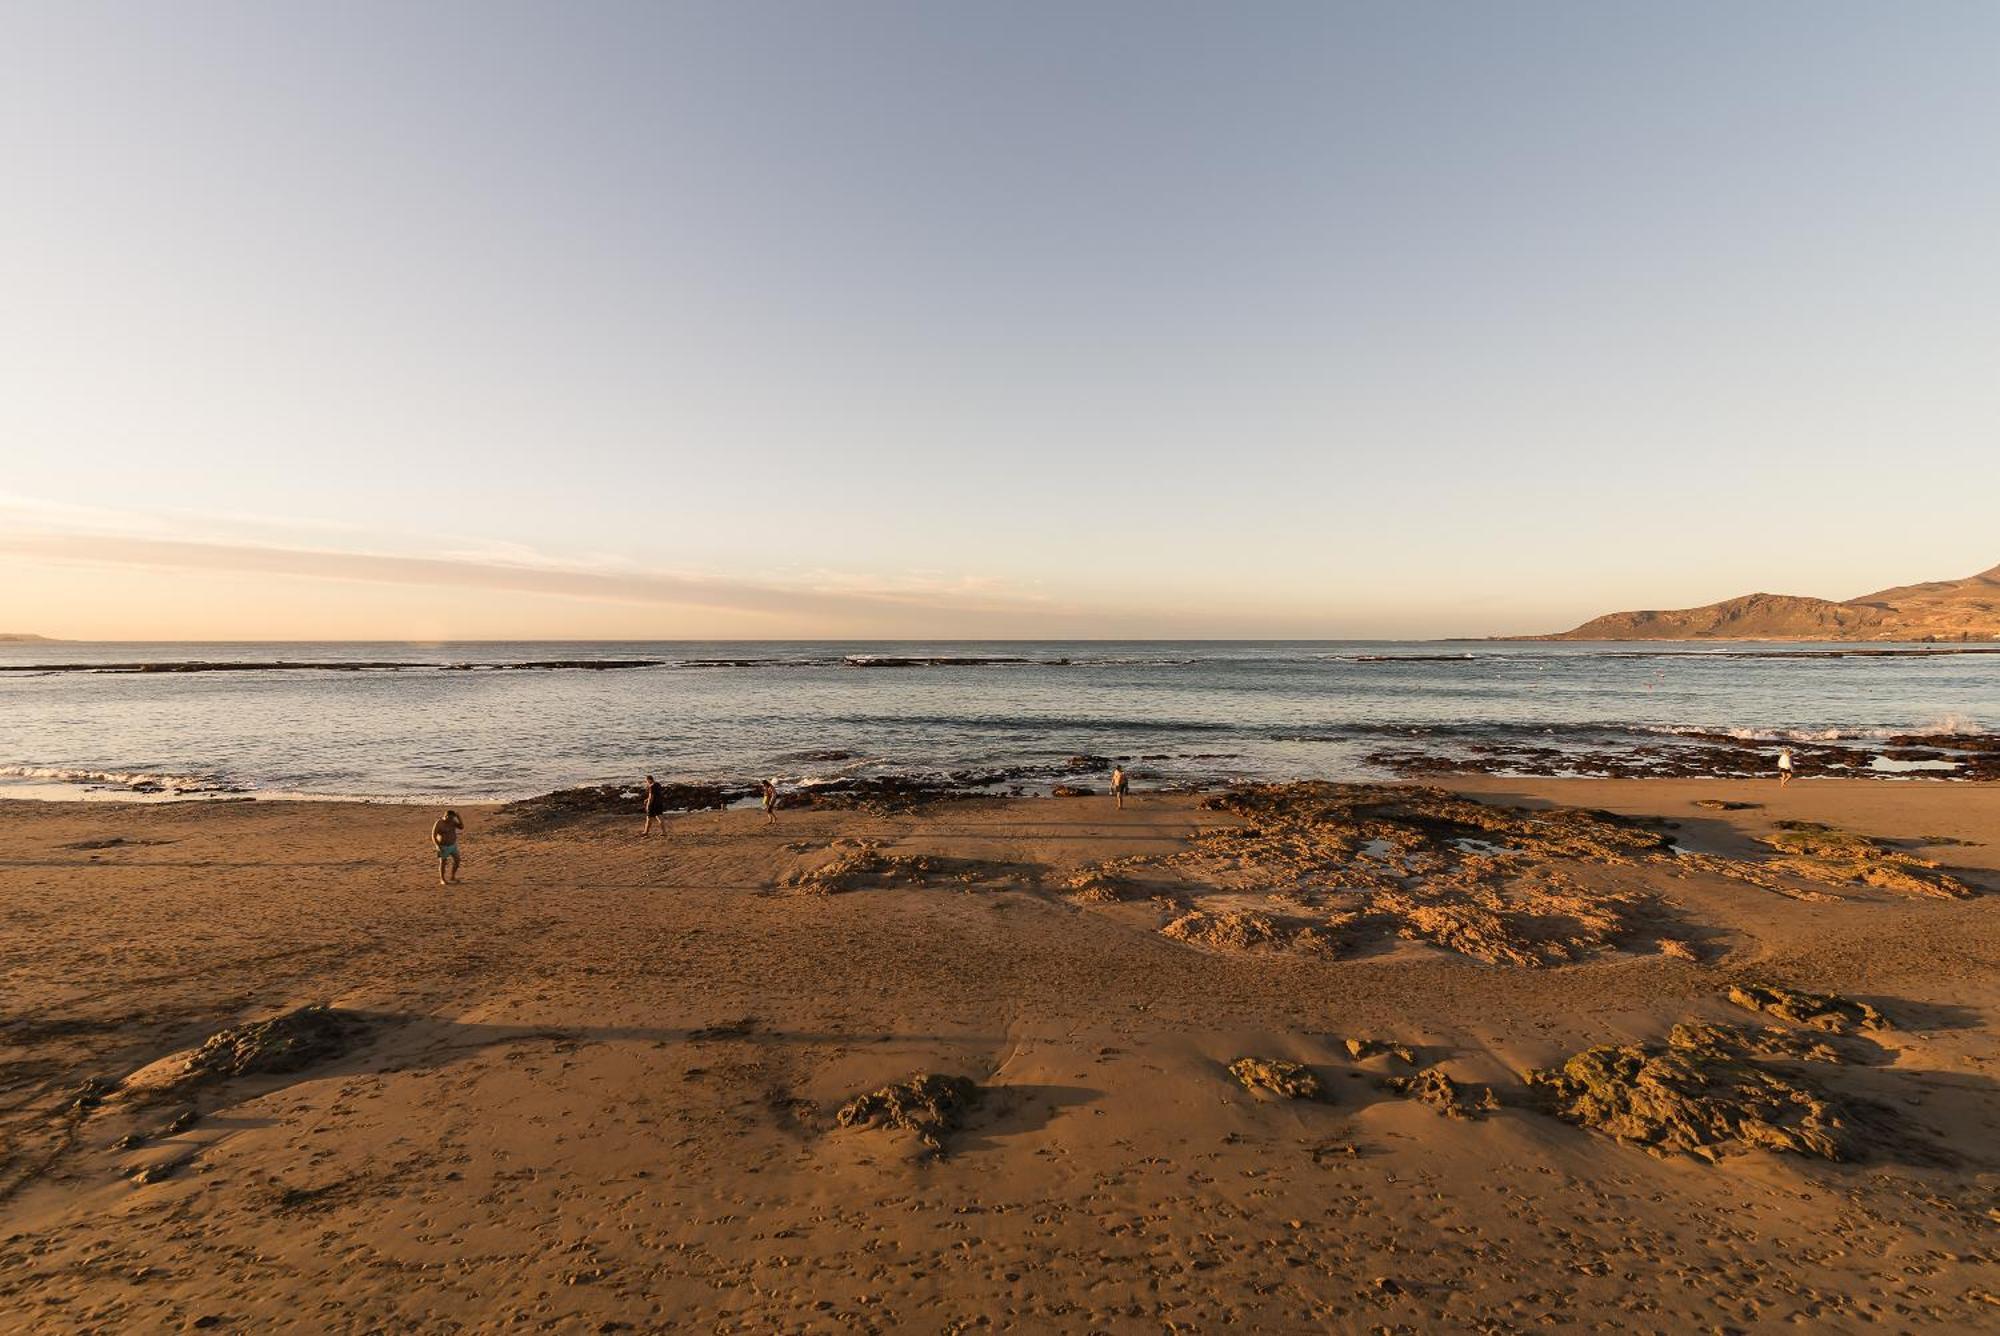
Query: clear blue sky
x=1017 y=319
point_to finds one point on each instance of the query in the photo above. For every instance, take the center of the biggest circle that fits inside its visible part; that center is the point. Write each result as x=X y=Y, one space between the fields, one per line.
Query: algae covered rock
x=1825 y=853
x=1669 y=1100
x=1822 y=1011
x=1287 y=1080
x=1449 y=1098
x=929 y=1105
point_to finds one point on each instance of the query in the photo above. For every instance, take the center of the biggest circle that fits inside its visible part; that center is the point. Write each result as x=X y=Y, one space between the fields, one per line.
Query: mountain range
x=1967 y=609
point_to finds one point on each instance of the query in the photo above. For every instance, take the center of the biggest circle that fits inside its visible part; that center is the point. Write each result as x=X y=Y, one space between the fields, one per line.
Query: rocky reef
x=1819 y=852
x=291 y=1042
x=928 y=1105
x=1276 y=1076
x=1449 y=1098
x=864 y=865
x=1822 y=1011
x=1346 y=861
x=1237 y=930
x=1694 y=1095
x=564 y=806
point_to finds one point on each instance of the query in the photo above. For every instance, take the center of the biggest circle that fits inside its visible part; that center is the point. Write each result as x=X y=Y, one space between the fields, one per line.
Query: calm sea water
x=465 y=721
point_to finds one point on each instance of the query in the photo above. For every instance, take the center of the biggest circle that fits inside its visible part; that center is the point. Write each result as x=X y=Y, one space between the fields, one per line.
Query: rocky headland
x=1934 y=611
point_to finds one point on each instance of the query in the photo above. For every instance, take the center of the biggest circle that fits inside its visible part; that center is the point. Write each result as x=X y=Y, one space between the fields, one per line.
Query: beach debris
x=1239 y=930
x=1719 y=1039
x=1449 y=1098
x=290 y=1042
x=1667 y=1100
x=1072 y=791
x=1276 y=1076
x=928 y=1105
x=1363 y=1049
x=1822 y=1011
x=1725 y=805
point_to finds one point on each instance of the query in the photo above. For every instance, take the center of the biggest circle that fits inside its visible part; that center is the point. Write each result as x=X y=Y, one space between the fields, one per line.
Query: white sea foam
x=125 y=779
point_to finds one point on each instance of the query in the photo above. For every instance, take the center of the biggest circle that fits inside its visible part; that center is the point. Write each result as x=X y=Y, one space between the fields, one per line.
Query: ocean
x=466 y=722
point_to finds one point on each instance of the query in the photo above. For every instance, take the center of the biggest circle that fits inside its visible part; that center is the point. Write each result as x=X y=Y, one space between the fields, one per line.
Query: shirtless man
x=770 y=791
x=444 y=835
x=655 y=803
x=1119 y=785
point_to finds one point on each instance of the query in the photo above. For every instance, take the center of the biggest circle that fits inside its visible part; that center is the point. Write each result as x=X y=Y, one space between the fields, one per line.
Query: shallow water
x=471 y=721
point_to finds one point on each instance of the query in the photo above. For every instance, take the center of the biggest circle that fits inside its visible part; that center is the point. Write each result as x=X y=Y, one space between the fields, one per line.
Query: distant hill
x=17 y=637
x=1967 y=609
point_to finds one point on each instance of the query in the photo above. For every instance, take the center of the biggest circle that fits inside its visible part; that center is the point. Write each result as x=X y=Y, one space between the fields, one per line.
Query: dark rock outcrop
x=928 y=1105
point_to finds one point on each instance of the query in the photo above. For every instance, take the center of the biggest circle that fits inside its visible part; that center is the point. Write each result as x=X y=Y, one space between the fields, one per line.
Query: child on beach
x=1119 y=785
x=1784 y=766
x=444 y=834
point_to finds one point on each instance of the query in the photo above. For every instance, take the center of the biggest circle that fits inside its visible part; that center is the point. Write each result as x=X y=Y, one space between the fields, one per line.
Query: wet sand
x=595 y=1087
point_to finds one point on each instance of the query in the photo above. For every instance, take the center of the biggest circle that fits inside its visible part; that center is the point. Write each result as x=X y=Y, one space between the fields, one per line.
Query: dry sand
x=598 y=1086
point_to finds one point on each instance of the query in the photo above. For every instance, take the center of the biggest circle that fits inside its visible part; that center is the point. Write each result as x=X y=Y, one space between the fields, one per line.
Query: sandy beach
x=598 y=1085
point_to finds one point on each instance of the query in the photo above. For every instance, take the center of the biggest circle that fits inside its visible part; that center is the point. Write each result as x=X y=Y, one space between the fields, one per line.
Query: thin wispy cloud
x=70 y=534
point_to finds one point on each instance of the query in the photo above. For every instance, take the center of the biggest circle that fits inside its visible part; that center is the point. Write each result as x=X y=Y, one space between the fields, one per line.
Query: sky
x=741 y=319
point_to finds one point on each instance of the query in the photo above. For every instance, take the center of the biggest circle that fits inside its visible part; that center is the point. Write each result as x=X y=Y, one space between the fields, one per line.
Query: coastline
x=596 y=1083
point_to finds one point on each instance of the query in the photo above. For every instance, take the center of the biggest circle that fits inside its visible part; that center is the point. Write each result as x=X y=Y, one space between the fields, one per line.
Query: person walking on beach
x=655 y=803
x=1784 y=766
x=770 y=787
x=1119 y=785
x=444 y=834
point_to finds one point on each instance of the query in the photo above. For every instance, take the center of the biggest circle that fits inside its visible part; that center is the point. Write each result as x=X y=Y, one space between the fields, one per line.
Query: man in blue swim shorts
x=445 y=836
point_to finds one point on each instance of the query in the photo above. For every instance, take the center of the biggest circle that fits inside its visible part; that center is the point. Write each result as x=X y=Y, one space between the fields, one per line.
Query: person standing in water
x=444 y=834
x=1784 y=766
x=1119 y=785
x=655 y=804
x=770 y=787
